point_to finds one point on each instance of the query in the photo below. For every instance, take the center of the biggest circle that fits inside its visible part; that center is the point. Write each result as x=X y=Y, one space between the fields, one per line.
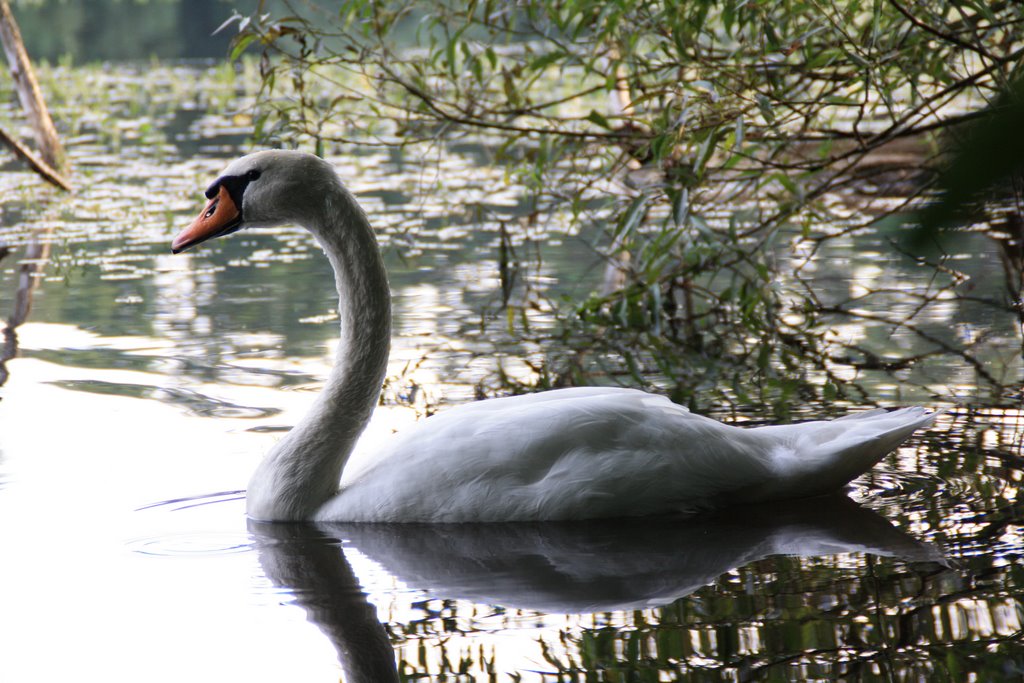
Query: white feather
x=602 y=452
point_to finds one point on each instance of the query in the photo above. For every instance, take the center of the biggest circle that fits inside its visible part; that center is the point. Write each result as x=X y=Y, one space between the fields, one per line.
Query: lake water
x=146 y=386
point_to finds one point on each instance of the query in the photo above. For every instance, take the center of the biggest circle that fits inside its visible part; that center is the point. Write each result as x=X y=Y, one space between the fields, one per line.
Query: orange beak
x=220 y=216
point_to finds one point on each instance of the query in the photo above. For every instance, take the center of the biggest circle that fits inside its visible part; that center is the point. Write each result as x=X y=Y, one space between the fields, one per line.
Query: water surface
x=145 y=387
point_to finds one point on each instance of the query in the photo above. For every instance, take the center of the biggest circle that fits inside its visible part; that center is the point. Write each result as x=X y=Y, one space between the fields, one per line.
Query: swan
x=579 y=453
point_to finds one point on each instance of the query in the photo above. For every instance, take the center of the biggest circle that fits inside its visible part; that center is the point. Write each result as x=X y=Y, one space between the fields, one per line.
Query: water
x=146 y=387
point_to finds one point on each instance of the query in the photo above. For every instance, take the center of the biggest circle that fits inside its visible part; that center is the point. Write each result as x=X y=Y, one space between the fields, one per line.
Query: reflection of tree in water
x=1008 y=233
x=790 y=619
x=37 y=253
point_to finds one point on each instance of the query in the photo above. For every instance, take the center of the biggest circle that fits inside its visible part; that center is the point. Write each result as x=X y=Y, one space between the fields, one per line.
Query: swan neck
x=302 y=472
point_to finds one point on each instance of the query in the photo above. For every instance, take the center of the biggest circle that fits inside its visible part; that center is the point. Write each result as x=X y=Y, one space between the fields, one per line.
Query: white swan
x=566 y=454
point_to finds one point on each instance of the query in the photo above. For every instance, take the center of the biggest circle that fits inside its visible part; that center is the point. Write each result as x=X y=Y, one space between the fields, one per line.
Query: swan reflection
x=575 y=567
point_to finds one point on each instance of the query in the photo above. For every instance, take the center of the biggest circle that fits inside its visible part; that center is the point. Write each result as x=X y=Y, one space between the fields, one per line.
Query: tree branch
x=38 y=165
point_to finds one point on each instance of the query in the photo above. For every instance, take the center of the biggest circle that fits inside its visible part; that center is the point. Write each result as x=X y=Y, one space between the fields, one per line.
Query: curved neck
x=302 y=471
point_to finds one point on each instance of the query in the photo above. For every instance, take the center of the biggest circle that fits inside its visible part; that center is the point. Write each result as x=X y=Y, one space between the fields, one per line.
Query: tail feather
x=846 y=458
x=820 y=457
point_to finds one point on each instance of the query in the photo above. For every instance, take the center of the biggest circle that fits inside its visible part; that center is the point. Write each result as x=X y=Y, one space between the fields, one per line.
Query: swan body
x=602 y=452
x=578 y=453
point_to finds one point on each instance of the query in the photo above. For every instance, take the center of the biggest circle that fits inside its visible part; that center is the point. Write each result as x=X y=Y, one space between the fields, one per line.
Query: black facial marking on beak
x=234 y=184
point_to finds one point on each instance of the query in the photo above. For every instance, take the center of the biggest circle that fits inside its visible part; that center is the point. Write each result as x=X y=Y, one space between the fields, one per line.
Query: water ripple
x=187 y=502
x=196 y=544
x=887 y=486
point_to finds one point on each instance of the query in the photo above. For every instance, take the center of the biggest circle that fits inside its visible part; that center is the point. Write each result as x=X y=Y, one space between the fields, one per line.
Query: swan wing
x=605 y=452
x=566 y=454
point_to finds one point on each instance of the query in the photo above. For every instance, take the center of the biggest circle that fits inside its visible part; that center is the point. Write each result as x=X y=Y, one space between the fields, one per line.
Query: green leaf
x=240 y=44
x=544 y=61
x=705 y=152
x=631 y=218
x=830 y=391
x=764 y=105
x=595 y=117
x=788 y=183
x=680 y=207
x=235 y=17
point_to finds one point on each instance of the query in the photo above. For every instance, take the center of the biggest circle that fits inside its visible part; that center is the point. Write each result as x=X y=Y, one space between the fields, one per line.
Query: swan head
x=262 y=189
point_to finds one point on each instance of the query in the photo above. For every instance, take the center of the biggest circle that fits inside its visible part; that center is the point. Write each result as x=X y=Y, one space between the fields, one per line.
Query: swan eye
x=252 y=175
x=212 y=209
